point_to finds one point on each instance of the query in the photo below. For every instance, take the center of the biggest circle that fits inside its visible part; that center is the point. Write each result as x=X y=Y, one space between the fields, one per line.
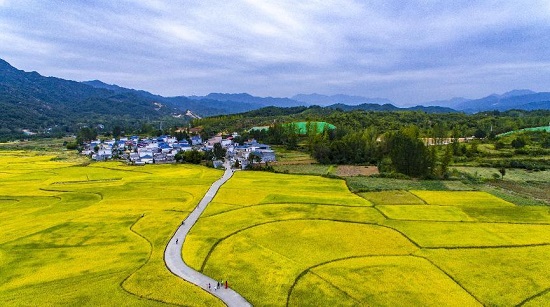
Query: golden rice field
x=93 y=235
x=288 y=240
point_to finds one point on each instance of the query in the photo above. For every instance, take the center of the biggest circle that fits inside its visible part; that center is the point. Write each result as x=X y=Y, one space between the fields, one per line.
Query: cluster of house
x=163 y=149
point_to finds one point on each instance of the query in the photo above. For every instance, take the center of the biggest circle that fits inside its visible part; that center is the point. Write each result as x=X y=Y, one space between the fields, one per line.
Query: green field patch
x=461 y=198
x=497 y=277
x=424 y=213
x=396 y=197
x=367 y=184
x=307 y=169
x=517 y=175
x=459 y=234
x=262 y=262
x=381 y=281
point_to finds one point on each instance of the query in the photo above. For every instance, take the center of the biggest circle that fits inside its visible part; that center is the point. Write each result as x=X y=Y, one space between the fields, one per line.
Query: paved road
x=173 y=256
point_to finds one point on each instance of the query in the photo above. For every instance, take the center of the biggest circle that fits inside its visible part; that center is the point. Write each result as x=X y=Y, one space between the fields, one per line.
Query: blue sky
x=409 y=53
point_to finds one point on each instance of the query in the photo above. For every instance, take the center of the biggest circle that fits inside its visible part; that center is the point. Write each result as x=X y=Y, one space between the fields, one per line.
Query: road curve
x=173 y=255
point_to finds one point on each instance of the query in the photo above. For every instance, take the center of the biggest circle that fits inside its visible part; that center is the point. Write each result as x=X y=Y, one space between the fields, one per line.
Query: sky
x=407 y=51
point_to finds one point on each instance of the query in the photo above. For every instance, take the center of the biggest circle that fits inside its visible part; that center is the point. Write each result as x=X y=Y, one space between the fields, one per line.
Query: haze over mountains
x=32 y=101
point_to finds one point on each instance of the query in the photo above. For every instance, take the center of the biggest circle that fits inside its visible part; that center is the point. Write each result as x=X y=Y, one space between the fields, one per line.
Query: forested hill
x=429 y=124
x=31 y=101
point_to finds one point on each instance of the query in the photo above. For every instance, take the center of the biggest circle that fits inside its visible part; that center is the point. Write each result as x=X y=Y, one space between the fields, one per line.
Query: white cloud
x=348 y=46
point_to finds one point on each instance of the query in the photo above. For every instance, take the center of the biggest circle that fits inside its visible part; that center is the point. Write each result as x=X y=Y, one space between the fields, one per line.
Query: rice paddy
x=287 y=240
x=93 y=235
x=74 y=234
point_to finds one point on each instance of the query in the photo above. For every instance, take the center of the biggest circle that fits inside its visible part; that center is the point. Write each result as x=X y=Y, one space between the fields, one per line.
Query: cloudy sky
x=407 y=51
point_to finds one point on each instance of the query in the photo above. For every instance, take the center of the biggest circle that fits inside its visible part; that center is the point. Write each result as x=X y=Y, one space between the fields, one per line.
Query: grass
x=74 y=235
x=516 y=175
x=286 y=156
x=368 y=184
x=288 y=240
x=305 y=169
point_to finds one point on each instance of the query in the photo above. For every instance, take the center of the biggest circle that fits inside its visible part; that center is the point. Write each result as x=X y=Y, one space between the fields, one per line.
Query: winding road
x=173 y=255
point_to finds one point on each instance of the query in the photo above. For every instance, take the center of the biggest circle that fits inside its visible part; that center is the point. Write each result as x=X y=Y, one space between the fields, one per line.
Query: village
x=164 y=149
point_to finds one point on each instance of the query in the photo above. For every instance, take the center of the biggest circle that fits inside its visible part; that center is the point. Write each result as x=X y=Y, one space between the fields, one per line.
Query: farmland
x=306 y=241
x=75 y=233
x=72 y=234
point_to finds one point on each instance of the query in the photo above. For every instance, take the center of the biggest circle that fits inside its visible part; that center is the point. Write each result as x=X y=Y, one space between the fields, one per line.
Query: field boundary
x=141 y=266
x=284 y=203
x=298 y=219
x=533 y=297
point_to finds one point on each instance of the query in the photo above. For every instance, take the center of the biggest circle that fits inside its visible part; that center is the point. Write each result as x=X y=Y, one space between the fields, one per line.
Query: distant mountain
x=390 y=107
x=181 y=103
x=31 y=101
x=451 y=103
x=210 y=105
x=516 y=99
x=252 y=100
x=323 y=100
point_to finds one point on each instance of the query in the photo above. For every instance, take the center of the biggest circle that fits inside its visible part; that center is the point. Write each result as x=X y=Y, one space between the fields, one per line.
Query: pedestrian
x=226 y=284
x=208 y=286
x=218 y=285
x=176 y=241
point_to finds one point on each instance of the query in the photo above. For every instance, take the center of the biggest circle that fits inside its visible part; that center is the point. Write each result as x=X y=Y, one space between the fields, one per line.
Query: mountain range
x=32 y=101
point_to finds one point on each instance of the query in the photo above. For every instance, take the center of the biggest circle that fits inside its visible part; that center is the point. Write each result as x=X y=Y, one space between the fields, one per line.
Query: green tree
x=117 y=132
x=446 y=160
x=502 y=172
x=86 y=134
x=408 y=154
x=519 y=142
x=219 y=152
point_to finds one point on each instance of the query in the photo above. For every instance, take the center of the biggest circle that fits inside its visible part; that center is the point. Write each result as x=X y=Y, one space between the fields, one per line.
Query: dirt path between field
x=174 y=259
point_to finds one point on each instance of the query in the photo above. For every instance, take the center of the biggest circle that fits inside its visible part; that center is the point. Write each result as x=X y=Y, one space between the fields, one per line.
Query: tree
x=219 y=151
x=86 y=134
x=117 y=132
x=446 y=160
x=480 y=134
x=254 y=158
x=519 y=142
x=502 y=172
x=408 y=154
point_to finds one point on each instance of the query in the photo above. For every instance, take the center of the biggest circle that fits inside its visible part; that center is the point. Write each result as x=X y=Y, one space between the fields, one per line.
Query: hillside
x=32 y=101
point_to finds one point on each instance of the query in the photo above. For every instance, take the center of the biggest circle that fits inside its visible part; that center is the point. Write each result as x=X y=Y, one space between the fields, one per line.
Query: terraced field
x=72 y=234
x=287 y=240
x=93 y=235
